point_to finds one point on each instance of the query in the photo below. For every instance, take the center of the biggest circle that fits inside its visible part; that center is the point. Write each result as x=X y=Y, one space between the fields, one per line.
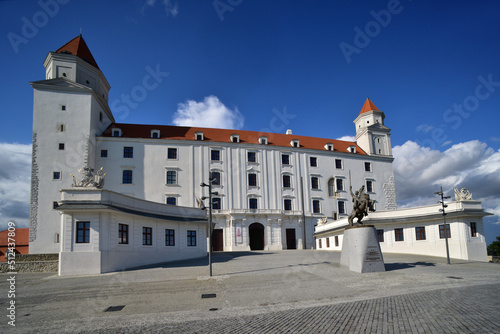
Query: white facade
x=420 y=230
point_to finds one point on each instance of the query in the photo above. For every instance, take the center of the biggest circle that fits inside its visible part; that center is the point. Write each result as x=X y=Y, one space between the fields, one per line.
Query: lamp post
x=440 y=193
x=210 y=193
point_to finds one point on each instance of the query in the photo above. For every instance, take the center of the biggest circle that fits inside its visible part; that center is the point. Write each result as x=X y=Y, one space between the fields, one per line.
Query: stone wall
x=33 y=263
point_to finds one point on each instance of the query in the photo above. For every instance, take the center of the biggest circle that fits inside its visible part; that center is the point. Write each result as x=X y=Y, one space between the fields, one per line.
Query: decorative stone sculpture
x=89 y=178
x=322 y=221
x=361 y=204
x=462 y=195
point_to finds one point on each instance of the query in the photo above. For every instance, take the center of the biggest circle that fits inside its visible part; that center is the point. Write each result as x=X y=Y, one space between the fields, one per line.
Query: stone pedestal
x=361 y=250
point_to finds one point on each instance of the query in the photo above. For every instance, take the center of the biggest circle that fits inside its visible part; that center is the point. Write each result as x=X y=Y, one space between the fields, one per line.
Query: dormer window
x=329 y=147
x=263 y=140
x=117 y=132
x=352 y=149
x=199 y=136
x=155 y=134
x=295 y=143
x=235 y=138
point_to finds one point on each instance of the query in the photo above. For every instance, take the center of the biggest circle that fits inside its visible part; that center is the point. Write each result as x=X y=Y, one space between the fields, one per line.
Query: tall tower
x=70 y=107
x=371 y=133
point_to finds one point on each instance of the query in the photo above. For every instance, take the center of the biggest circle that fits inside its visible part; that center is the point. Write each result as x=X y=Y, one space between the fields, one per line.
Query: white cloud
x=347 y=138
x=170 y=8
x=424 y=128
x=15 y=173
x=211 y=113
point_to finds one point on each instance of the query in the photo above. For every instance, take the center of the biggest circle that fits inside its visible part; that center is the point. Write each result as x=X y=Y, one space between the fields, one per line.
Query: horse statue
x=361 y=205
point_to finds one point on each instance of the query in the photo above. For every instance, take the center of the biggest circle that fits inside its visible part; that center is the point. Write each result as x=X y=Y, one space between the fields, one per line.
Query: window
x=252 y=157
x=171 y=177
x=117 y=133
x=82 y=232
x=340 y=184
x=368 y=167
x=285 y=159
x=147 y=236
x=61 y=128
x=338 y=163
x=191 y=238
x=336 y=241
x=380 y=234
x=319 y=243
x=341 y=205
x=398 y=234
x=104 y=153
x=287 y=203
x=127 y=177
x=172 y=153
x=123 y=234
x=287 y=181
x=316 y=206
x=155 y=134
x=215 y=155
x=63 y=107
x=169 y=237
x=352 y=149
x=314 y=182
x=55 y=205
x=215 y=177
x=331 y=187
x=420 y=232
x=216 y=203
x=56 y=175
x=327 y=242
x=473 y=230
x=61 y=146
x=171 y=200
x=252 y=180
x=100 y=116
x=263 y=140
x=329 y=147
x=199 y=136
x=235 y=138
x=295 y=143
x=252 y=203
x=313 y=162
x=128 y=152
x=441 y=231
x=369 y=186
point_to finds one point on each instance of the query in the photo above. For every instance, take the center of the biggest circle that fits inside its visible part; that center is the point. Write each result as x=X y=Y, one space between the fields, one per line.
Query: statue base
x=361 y=250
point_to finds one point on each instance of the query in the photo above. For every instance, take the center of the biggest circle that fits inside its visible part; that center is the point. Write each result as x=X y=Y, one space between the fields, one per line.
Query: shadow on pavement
x=399 y=266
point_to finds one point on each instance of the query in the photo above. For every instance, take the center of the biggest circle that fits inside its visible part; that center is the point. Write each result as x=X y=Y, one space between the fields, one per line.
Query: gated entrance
x=256 y=233
x=290 y=239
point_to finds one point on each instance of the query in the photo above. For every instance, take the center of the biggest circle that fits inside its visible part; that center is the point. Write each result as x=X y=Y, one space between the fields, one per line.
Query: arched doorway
x=256 y=233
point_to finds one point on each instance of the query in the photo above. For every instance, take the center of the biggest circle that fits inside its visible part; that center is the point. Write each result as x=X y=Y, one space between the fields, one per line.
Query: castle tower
x=70 y=107
x=371 y=133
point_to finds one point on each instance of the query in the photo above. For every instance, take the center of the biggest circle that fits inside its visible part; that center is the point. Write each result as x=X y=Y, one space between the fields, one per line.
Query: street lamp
x=210 y=193
x=440 y=193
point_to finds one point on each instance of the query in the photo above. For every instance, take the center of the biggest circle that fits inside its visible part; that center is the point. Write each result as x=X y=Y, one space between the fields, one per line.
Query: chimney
x=289 y=131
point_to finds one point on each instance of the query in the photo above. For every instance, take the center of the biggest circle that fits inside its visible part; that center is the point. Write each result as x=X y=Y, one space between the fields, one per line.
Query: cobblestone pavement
x=462 y=310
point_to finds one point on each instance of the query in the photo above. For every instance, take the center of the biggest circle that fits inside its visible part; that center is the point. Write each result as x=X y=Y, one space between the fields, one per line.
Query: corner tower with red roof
x=371 y=133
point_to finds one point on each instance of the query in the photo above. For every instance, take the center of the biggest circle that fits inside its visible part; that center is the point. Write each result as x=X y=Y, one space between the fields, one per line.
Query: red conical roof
x=78 y=47
x=368 y=106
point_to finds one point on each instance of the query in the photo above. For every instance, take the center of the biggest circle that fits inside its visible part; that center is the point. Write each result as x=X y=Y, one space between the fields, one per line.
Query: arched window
x=331 y=187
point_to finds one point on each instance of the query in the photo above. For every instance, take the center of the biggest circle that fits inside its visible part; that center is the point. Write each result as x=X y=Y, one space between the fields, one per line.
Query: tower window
x=316 y=206
x=314 y=182
x=63 y=107
x=127 y=177
x=56 y=175
x=61 y=146
x=171 y=201
x=61 y=127
x=171 y=177
x=100 y=116
x=104 y=153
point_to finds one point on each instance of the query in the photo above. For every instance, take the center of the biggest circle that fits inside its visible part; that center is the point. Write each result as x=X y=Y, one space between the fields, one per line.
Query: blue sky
x=432 y=67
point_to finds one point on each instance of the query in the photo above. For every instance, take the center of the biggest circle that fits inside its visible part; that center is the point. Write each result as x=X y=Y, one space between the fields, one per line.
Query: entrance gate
x=290 y=239
x=256 y=233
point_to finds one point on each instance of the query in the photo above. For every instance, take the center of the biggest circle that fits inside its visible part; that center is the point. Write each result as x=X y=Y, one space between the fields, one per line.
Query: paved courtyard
x=264 y=292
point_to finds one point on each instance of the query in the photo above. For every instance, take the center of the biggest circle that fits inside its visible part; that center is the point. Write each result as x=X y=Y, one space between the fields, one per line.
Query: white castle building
x=271 y=188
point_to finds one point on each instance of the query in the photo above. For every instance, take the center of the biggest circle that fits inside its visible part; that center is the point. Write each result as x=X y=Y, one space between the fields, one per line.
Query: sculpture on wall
x=361 y=204
x=462 y=195
x=89 y=177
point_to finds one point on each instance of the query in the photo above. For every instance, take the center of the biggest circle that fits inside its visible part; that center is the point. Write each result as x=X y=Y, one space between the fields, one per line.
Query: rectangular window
x=252 y=157
x=340 y=184
x=127 y=177
x=368 y=166
x=369 y=186
x=314 y=182
x=398 y=234
x=63 y=107
x=316 y=206
x=215 y=178
x=123 y=234
x=380 y=234
x=172 y=154
x=172 y=200
x=61 y=146
x=116 y=133
x=169 y=237
x=199 y=136
x=128 y=152
x=252 y=180
x=285 y=159
x=171 y=177
x=287 y=181
x=56 y=175
x=104 y=153
x=341 y=205
x=191 y=238
x=216 y=203
x=147 y=236
x=336 y=241
x=327 y=242
x=82 y=232
x=473 y=230
x=420 y=232
x=288 y=204
x=441 y=231
x=338 y=163
x=215 y=155
x=313 y=161
x=319 y=243
x=252 y=203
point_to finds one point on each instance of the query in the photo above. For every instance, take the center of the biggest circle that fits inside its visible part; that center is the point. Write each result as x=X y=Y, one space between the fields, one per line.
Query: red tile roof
x=224 y=136
x=368 y=106
x=78 y=47
x=21 y=238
